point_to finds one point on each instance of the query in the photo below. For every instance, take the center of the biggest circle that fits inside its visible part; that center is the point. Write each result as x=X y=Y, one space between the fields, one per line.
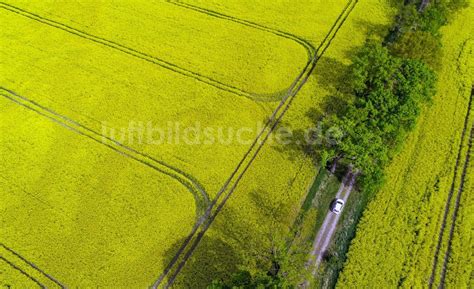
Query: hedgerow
x=397 y=236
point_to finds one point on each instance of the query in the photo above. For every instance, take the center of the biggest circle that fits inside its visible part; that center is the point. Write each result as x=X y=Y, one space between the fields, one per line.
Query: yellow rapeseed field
x=79 y=210
x=93 y=205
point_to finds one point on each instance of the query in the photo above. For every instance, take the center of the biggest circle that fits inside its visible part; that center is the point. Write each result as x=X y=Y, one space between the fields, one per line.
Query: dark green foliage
x=416 y=35
x=284 y=268
x=388 y=93
x=432 y=19
x=455 y=5
x=419 y=45
x=244 y=280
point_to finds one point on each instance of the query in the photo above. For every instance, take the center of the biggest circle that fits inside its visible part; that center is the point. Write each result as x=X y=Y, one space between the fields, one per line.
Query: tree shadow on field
x=372 y=29
x=330 y=73
x=268 y=208
x=329 y=97
x=213 y=259
x=234 y=242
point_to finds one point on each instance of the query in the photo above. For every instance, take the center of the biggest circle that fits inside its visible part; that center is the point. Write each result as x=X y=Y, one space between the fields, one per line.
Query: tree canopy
x=387 y=93
x=244 y=280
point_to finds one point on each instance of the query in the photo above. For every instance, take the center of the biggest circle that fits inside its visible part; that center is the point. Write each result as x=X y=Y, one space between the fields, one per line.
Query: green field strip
x=453 y=202
x=186 y=180
x=82 y=212
x=258 y=59
x=232 y=182
x=27 y=268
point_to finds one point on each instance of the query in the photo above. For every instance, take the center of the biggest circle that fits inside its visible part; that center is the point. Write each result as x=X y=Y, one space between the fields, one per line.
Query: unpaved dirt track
x=326 y=232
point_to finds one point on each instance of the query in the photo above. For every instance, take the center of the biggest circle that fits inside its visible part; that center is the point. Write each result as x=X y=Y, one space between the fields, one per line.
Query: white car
x=336 y=206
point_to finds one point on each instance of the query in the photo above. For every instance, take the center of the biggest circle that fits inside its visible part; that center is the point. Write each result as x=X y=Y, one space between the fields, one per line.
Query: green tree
x=388 y=92
x=244 y=280
x=284 y=269
x=419 y=45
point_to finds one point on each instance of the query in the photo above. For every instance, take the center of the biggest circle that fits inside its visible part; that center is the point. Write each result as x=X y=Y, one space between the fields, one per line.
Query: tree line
x=388 y=83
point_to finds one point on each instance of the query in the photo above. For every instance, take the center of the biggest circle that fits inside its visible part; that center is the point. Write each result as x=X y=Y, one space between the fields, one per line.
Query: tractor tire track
x=150 y=58
x=200 y=195
x=310 y=49
x=451 y=194
x=127 y=50
x=23 y=272
x=271 y=125
x=456 y=211
x=32 y=265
